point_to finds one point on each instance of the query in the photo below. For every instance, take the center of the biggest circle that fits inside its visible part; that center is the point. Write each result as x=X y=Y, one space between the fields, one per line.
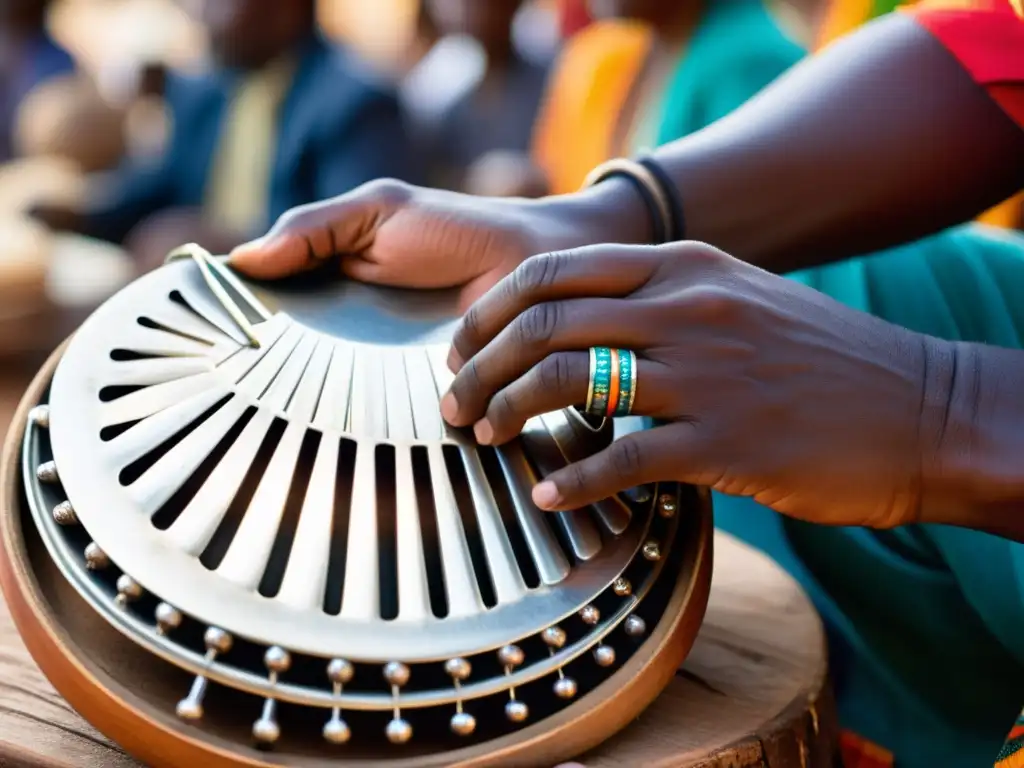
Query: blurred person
x=496 y=111
x=282 y=119
x=28 y=57
x=647 y=72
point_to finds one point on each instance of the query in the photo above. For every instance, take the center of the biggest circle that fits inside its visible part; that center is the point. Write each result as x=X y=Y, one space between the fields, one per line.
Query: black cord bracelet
x=676 y=226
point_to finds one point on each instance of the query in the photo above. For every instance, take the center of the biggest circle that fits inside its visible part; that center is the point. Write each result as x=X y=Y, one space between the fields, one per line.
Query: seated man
x=281 y=120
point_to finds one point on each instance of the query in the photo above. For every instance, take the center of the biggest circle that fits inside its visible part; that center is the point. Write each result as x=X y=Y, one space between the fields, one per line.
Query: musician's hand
x=391 y=233
x=765 y=388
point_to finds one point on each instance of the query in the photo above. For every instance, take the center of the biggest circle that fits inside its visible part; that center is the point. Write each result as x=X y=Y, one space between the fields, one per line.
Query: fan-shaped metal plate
x=306 y=493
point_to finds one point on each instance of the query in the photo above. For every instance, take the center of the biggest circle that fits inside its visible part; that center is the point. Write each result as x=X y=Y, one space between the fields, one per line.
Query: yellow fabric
x=236 y=195
x=586 y=94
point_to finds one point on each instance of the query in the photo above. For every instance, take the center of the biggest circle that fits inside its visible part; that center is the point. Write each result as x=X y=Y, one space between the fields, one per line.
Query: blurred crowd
x=128 y=127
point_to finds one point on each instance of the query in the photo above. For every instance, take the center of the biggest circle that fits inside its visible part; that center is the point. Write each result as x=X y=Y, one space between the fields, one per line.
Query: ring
x=612 y=387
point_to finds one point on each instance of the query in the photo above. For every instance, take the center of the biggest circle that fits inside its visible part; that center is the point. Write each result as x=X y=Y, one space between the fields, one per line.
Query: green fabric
x=736 y=51
x=926 y=622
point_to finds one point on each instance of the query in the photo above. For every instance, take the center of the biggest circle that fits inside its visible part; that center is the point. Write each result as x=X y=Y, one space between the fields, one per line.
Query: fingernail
x=545 y=495
x=455 y=361
x=484 y=432
x=449 y=408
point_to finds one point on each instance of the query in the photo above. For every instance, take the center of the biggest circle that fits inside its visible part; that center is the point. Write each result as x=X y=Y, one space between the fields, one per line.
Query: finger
x=572 y=325
x=306 y=236
x=649 y=456
x=559 y=381
x=610 y=271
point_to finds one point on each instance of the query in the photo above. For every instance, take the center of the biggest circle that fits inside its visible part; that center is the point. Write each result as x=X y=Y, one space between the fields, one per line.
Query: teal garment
x=926 y=623
x=736 y=51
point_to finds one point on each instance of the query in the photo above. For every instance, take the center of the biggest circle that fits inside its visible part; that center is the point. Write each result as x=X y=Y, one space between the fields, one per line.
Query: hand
x=764 y=387
x=390 y=233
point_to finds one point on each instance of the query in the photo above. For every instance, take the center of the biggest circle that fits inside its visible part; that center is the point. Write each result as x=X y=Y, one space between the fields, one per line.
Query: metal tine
x=171 y=470
x=267 y=368
x=367 y=415
x=332 y=410
x=613 y=513
x=361 y=595
x=552 y=566
x=248 y=555
x=306 y=399
x=580 y=531
x=423 y=394
x=203 y=514
x=305 y=576
x=501 y=559
x=157 y=370
x=413 y=589
x=459 y=578
x=218 y=264
x=158 y=343
x=173 y=315
x=198 y=297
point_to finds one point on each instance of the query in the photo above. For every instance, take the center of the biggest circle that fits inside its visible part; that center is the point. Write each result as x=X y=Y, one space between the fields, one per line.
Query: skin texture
x=725 y=346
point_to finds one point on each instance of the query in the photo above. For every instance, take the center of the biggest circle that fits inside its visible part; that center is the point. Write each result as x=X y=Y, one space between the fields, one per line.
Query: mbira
x=238 y=533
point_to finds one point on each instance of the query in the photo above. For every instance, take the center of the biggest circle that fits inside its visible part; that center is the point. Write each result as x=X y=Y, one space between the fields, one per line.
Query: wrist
x=611 y=211
x=973 y=423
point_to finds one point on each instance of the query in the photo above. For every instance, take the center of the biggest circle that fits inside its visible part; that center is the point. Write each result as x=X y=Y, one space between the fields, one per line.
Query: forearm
x=973 y=430
x=879 y=140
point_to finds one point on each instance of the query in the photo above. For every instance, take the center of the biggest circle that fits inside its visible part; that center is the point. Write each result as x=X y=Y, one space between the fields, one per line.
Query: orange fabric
x=587 y=92
x=861 y=753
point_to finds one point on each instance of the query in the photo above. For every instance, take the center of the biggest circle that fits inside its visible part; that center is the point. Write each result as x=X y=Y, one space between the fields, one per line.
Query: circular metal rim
x=152 y=736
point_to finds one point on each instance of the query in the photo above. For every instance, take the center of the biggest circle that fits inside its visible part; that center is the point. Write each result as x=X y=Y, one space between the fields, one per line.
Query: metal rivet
x=216 y=639
x=652 y=551
x=40 y=416
x=277 y=659
x=511 y=656
x=458 y=669
x=337 y=731
x=47 y=473
x=604 y=655
x=565 y=687
x=64 y=514
x=399 y=731
x=516 y=711
x=396 y=673
x=554 y=636
x=189 y=709
x=266 y=731
x=666 y=505
x=622 y=587
x=167 y=618
x=95 y=558
x=635 y=626
x=463 y=723
x=340 y=671
x=127 y=589
x=590 y=615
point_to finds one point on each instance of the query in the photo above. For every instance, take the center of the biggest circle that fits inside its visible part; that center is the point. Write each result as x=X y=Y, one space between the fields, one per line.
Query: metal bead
x=511 y=656
x=565 y=687
x=47 y=473
x=188 y=709
x=604 y=655
x=127 y=589
x=517 y=711
x=399 y=731
x=40 y=416
x=266 y=731
x=652 y=551
x=64 y=514
x=590 y=615
x=635 y=626
x=95 y=558
x=396 y=673
x=666 y=505
x=458 y=669
x=216 y=639
x=337 y=731
x=167 y=617
x=554 y=636
x=277 y=659
x=463 y=724
x=340 y=671
x=622 y=587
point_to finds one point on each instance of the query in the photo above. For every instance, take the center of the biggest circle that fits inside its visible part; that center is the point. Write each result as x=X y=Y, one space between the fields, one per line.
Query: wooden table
x=752 y=693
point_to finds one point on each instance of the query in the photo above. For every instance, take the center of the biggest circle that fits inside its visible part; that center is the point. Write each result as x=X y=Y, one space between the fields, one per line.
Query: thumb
x=304 y=237
x=636 y=459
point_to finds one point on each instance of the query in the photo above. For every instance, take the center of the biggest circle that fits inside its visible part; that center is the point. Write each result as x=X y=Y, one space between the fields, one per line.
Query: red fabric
x=987 y=38
x=861 y=753
x=574 y=16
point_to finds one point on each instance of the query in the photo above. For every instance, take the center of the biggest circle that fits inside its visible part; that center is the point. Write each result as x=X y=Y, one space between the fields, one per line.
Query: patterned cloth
x=1012 y=754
